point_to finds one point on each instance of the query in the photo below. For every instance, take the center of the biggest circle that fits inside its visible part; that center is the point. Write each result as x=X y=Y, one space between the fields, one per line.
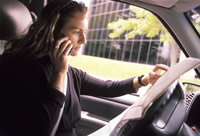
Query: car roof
x=179 y=5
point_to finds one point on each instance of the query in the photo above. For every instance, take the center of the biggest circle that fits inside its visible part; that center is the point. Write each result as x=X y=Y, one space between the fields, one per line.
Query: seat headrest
x=14 y=19
x=35 y=6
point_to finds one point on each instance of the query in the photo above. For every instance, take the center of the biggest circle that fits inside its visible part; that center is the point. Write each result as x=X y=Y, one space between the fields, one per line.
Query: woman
x=38 y=82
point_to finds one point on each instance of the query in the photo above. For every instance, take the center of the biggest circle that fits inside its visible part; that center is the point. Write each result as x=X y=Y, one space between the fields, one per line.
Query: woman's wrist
x=57 y=81
x=143 y=80
x=140 y=81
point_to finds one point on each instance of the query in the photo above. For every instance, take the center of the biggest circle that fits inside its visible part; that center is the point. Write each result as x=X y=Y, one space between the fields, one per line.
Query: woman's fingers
x=157 y=73
x=61 y=40
x=160 y=67
x=65 y=48
x=61 y=45
x=154 y=75
x=58 y=54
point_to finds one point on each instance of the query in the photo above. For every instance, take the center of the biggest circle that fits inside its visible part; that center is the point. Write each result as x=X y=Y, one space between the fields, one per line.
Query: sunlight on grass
x=112 y=69
x=108 y=68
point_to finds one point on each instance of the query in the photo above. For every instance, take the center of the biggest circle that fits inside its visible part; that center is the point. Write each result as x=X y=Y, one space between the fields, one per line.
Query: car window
x=193 y=16
x=125 y=41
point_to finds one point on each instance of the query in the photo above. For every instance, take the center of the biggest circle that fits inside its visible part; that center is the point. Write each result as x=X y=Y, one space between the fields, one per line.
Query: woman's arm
x=151 y=78
x=58 y=55
x=109 y=88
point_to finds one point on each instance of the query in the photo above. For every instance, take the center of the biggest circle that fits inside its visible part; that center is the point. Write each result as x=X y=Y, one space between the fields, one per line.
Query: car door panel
x=98 y=111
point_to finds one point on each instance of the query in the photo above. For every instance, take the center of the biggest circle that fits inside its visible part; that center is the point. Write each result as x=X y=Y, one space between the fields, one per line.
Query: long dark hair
x=36 y=43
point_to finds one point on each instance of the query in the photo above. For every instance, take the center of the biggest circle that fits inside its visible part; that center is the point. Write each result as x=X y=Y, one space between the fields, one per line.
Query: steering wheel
x=162 y=110
x=165 y=116
x=163 y=113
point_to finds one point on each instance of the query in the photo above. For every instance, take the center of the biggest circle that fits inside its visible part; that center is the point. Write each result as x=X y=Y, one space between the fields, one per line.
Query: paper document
x=139 y=108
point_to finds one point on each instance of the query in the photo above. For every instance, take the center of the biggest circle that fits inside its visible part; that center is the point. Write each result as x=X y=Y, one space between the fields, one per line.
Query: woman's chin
x=75 y=53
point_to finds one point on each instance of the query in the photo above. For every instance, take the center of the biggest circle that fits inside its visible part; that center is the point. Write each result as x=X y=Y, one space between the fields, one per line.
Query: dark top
x=30 y=107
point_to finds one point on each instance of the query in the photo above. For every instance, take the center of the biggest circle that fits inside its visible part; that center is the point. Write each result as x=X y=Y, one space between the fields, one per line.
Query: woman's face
x=75 y=29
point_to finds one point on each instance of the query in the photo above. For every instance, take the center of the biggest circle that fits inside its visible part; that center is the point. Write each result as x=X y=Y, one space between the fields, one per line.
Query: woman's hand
x=59 y=53
x=155 y=74
x=151 y=78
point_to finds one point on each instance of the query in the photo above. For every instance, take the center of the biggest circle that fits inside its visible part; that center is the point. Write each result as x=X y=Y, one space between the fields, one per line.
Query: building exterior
x=139 y=49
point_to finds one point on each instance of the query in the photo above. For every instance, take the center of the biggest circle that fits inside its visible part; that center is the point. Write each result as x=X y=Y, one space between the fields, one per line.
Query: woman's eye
x=76 y=32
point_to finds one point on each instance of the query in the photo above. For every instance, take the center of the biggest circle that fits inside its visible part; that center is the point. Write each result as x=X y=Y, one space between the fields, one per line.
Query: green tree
x=142 y=22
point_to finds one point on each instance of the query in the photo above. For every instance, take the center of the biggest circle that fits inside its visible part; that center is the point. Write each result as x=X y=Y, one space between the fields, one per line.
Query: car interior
x=173 y=114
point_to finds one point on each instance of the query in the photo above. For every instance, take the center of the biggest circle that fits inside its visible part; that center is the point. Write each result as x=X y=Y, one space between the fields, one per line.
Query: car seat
x=16 y=16
x=14 y=19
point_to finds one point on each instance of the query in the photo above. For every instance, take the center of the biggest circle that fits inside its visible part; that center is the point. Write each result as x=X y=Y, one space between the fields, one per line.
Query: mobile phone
x=57 y=35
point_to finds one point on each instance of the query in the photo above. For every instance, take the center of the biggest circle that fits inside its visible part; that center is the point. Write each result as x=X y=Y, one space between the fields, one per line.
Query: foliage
x=197 y=26
x=142 y=22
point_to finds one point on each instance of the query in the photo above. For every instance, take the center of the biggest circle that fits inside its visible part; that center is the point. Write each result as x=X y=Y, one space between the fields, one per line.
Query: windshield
x=194 y=17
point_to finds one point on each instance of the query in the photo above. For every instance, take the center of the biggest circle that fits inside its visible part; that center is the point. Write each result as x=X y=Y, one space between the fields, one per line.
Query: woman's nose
x=82 y=39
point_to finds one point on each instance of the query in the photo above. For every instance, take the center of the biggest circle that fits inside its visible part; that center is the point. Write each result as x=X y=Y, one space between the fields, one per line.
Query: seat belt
x=53 y=132
x=61 y=111
x=43 y=66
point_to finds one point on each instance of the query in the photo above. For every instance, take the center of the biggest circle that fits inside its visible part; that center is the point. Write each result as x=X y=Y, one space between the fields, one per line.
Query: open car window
x=193 y=16
x=126 y=41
